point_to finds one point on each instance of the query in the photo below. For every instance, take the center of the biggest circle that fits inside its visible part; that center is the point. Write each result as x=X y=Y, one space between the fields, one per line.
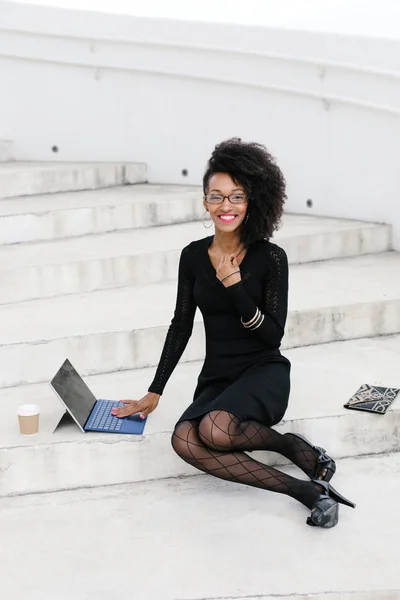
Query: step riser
x=162 y=209
x=6 y=151
x=99 y=274
x=27 y=182
x=107 y=352
x=67 y=223
x=55 y=280
x=53 y=467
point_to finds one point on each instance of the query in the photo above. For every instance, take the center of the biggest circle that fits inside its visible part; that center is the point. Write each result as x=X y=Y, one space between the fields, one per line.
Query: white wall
x=377 y=18
x=106 y=87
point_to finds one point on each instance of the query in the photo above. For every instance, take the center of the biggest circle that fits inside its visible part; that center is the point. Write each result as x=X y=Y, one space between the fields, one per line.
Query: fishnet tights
x=206 y=454
x=221 y=430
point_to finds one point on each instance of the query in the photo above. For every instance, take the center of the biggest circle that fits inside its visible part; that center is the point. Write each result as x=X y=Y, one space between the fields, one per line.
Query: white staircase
x=88 y=265
x=31 y=178
x=199 y=538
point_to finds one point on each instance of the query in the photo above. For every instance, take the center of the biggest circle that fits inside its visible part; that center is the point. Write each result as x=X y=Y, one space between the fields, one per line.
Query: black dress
x=244 y=372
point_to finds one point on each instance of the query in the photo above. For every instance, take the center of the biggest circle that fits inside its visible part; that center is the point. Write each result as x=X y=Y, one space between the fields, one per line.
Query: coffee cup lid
x=28 y=410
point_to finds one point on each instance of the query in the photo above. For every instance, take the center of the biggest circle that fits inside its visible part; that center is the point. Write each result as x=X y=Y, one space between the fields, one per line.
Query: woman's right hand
x=145 y=406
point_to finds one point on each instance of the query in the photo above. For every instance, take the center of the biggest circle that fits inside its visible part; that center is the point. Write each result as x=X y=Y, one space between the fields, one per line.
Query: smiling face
x=227 y=216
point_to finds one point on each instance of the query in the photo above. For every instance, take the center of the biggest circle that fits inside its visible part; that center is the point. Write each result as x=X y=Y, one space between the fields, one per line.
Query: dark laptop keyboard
x=101 y=417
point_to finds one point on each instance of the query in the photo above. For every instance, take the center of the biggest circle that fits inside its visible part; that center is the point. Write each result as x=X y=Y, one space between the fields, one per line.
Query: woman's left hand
x=227 y=266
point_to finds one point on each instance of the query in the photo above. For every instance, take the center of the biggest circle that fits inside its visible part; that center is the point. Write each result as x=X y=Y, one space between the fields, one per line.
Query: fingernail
x=142 y=416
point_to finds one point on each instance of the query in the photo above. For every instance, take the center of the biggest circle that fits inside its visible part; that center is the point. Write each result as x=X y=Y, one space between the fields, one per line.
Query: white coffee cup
x=28 y=417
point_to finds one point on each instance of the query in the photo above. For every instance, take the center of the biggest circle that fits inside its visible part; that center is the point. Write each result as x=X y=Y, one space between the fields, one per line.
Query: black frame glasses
x=236 y=198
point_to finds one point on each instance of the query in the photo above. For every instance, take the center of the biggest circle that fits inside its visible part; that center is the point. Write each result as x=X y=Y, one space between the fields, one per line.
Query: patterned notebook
x=372 y=398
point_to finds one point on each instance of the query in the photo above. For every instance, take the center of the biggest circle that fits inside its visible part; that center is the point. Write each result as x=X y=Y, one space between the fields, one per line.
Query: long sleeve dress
x=243 y=372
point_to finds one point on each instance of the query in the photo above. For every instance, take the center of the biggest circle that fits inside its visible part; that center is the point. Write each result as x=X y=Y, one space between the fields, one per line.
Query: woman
x=239 y=281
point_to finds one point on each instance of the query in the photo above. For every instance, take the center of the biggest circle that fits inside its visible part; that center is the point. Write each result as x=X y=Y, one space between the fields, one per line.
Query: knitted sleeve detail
x=273 y=310
x=181 y=326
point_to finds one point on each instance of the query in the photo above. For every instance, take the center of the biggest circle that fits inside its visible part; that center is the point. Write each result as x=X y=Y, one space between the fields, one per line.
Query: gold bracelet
x=248 y=324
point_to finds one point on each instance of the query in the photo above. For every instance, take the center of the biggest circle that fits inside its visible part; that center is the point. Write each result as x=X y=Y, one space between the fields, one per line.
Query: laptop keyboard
x=101 y=417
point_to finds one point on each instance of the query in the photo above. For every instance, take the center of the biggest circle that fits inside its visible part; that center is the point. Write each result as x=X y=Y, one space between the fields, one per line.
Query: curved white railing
x=76 y=51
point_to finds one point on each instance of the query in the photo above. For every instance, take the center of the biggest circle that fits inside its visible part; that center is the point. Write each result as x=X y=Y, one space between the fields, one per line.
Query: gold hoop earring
x=204 y=225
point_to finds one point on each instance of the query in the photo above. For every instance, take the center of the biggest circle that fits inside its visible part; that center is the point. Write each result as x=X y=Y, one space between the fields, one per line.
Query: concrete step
x=323 y=378
x=6 y=151
x=150 y=255
x=55 y=216
x=30 y=178
x=202 y=538
x=125 y=328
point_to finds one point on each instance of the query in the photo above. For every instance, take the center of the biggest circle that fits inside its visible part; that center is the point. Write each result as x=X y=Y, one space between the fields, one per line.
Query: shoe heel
x=332 y=493
x=339 y=498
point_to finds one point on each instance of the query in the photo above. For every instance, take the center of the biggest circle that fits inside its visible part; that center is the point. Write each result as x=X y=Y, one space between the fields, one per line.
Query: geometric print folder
x=372 y=398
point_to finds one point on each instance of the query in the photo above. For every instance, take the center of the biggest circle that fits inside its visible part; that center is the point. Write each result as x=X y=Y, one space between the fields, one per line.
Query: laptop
x=89 y=413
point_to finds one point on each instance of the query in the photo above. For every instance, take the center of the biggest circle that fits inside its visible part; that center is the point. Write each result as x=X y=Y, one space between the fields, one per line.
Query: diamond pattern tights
x=217 y=446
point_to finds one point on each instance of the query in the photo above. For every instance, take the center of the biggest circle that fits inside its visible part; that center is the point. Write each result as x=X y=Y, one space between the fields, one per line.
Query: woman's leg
x=238 y=466
x=223 y=431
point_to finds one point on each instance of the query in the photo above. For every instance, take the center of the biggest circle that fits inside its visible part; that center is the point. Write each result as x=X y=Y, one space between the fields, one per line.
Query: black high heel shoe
x=325 y=510
x=325 y=466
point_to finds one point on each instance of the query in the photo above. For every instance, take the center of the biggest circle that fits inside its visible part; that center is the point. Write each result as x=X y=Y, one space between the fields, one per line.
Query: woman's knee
x=182 y=437
x=217 y=430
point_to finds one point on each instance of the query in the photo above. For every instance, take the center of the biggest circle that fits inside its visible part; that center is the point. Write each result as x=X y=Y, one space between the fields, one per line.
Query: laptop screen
x=74 y=392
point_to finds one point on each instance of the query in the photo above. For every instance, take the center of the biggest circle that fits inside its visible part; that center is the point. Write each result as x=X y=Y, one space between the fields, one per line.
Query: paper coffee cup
x=28 y=417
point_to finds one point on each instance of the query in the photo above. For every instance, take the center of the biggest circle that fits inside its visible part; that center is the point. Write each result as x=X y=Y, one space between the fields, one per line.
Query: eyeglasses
x=219 y=198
